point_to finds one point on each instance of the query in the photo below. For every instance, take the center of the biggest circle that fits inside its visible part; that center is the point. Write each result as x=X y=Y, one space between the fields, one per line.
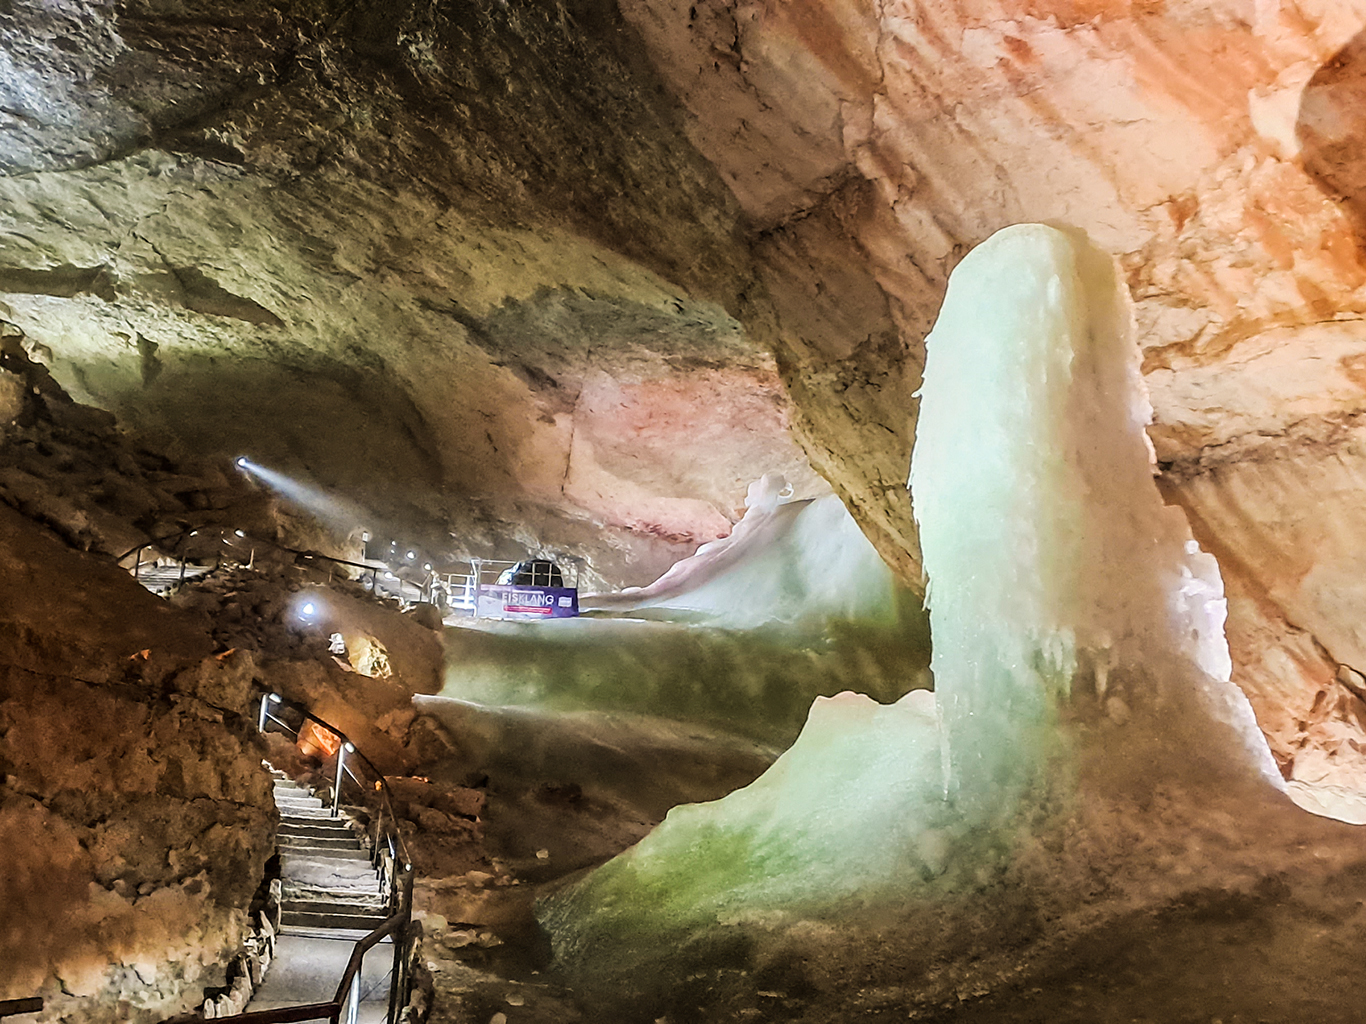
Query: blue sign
x=512 y=601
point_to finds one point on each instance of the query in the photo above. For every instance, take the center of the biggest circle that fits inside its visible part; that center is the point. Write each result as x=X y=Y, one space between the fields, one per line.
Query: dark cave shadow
x=1331 y=130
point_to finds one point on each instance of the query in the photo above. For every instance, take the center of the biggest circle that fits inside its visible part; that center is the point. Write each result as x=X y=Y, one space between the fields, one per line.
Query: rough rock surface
x=128 y=748
x=398 y=251
x=136 y=813
x=566 y=275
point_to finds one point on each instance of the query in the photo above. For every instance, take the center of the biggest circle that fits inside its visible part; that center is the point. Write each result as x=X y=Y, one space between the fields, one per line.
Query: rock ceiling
x=577 y=271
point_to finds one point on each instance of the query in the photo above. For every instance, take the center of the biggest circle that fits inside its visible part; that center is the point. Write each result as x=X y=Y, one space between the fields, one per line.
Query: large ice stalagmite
x=1049 y=553
x=1069 y=612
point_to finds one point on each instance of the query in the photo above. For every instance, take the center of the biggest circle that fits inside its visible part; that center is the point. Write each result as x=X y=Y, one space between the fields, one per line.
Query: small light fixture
x=275 y=698
x=388 y=575
x=241 y=461
x=310 y=608
x=427 y=566
x=412 y=555
x=238 y=533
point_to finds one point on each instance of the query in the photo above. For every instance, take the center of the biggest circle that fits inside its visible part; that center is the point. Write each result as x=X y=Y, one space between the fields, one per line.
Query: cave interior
x=949 y=419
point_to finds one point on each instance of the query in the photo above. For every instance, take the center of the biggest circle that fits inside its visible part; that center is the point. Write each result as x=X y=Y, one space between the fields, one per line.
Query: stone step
x=302 y=810
x=357 y=901
x=330 y=828
x=302 y=919
x=340 y=849
x=341 y=858
x=298 y=797
x=349 y=934
x=331 y=841
x=292 y=811
x=323 y=906
x=327 y=872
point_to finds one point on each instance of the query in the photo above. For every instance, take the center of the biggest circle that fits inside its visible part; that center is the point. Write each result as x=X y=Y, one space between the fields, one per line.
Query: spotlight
x=427 y=566
x=310 y=608
x=238 y=533
x=350 y=747
x=240 y=462
x=275 y=698
x=412 y=555
x=388 y=575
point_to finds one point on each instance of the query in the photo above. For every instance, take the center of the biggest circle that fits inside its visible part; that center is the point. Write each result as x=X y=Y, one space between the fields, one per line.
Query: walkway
x=331 y=898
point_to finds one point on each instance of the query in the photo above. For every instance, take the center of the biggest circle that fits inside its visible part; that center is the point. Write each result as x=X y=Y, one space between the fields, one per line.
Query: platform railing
x=386 y=831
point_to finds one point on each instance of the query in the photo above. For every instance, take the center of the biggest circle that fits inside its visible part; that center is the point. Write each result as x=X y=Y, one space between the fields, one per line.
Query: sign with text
x=513 y=601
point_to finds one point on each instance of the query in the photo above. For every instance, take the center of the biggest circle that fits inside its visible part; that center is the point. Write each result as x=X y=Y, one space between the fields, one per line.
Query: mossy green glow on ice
x=740 y=637
x=1051 y=560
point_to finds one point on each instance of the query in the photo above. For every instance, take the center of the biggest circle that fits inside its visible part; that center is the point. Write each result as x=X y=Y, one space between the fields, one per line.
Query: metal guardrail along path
x=337 y=889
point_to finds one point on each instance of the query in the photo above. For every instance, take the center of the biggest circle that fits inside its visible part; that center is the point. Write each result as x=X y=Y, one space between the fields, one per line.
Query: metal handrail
x=474 y=578
x=347 y=987
x=396 y=924
x=387 y=796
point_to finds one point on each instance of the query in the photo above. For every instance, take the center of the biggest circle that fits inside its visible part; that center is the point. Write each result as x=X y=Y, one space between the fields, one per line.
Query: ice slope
x=796 y=563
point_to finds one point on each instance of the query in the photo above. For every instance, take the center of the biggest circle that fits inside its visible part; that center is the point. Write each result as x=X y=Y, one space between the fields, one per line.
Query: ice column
x=1052 y=566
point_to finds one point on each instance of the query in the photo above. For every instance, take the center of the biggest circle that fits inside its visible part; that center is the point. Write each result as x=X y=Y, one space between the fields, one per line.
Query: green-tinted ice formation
x=1060 y=590
x=741 y=637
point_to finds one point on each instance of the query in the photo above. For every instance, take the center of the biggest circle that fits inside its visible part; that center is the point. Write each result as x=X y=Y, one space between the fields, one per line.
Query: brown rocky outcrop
x=136 y=816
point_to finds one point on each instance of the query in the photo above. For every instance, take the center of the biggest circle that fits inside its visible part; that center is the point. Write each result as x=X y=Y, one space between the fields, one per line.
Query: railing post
x=477 y=565
x=336 y=788
x=354 y=1008
x=396 y=976
x=398 y=981
x=267 y=699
